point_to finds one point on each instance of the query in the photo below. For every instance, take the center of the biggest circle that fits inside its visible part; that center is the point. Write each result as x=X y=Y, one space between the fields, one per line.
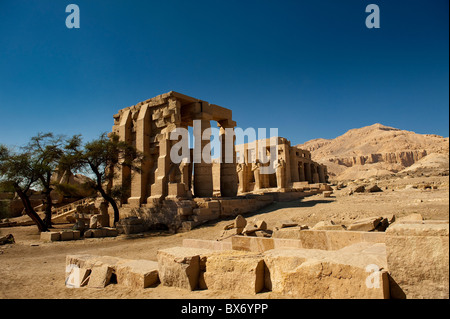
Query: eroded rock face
x=418 y=260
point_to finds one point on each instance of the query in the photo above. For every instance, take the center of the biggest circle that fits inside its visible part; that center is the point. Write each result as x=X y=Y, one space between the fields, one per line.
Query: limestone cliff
x=376 y=150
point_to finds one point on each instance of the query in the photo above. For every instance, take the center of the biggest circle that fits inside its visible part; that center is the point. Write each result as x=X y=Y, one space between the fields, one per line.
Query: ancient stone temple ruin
x=294 y=167
x=163 y=183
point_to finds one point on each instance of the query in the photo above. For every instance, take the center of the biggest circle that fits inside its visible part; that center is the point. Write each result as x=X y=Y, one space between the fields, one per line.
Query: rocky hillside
x=379 y=150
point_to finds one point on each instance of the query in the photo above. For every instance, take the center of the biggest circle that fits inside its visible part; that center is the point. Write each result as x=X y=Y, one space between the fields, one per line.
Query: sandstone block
x=285 y=223
x=137 y=273
x=314 y=239
x=76 y=234
x=287 y=233
x=327 y=193
x=240 y=222
x=418 y=260
x=366 y=224
x=93 y=222
x=100 y=276
x=312 y=273
x=50 y=236
x=374 y=189
x=253 y=244
x=99 y=232
x=180 y=266
x=66 y=235
x=235 y=271
x=328 y=225
x=111 y=232
x=410 y=218
x=207 y=244
x=185 y=211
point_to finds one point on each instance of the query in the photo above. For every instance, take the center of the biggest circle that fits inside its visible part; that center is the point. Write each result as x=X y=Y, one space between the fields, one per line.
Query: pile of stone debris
x=240 y=226
x=258 y=227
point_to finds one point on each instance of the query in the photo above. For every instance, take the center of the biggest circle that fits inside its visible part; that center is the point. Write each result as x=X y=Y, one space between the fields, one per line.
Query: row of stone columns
x=153 y=183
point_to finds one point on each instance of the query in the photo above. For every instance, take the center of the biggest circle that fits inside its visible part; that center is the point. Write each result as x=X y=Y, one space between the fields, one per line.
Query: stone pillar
x=228 y=176
x=240 y=169
x=281 y=174
x=140 y=180
x=159 y=189
x=315 y=174
x=203 y=179
x=321 y=174
x=295 y=176
x=123 y=176
x=308 y=176
x=257 y=175
x=301 y=171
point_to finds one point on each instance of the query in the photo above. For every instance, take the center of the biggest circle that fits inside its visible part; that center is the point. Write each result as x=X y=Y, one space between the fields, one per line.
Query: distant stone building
x=293 y=168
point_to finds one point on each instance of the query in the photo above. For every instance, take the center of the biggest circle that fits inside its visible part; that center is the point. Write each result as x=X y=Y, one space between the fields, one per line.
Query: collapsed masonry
x=180 y=196
x=409 y=260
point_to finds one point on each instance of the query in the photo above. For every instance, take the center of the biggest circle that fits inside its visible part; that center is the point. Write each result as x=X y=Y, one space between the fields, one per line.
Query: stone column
x=123 y=176
x=159 y=189
x=139 y=182
x=241 y=170
x=315 y=175
x=321 y=174
x=301 y=171
x=228 y=175
x=308 y=176
x=281 y=174
x=203 y=181
x=257 y=175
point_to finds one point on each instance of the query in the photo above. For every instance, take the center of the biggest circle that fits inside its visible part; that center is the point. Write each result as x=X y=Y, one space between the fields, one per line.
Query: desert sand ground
x=33 y=269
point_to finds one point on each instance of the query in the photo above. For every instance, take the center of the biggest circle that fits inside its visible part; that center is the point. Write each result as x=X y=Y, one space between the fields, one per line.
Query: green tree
x=46 y=151
x=102 y=158
x=19 y=170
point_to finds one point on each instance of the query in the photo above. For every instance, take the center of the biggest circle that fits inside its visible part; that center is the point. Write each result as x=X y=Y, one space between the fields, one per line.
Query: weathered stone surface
x=240 y=222
x=93 y=222
x=50 y=236
x=418 y=260
x=111 y=232
x=100 y=276
x=180 y=266
x=235 y=271
x=366 y=224
x=253 y=244
x=328 y=225
x=374 y=189
x=77 y=277
x=207 y=244
x=285 y=223
x=327 y=193
x=263 y=233
x=66 y=235
x=314 y=239
x=137 y=273
x=288 y=233
x=312 y=273
x=410 y=218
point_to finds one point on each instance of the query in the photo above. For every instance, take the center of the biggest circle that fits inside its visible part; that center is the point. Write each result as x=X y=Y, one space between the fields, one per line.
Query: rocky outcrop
x=404 y=158
x=374 y=150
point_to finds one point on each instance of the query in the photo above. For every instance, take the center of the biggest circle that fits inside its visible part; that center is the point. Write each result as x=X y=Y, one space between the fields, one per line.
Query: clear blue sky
x=310 y=68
